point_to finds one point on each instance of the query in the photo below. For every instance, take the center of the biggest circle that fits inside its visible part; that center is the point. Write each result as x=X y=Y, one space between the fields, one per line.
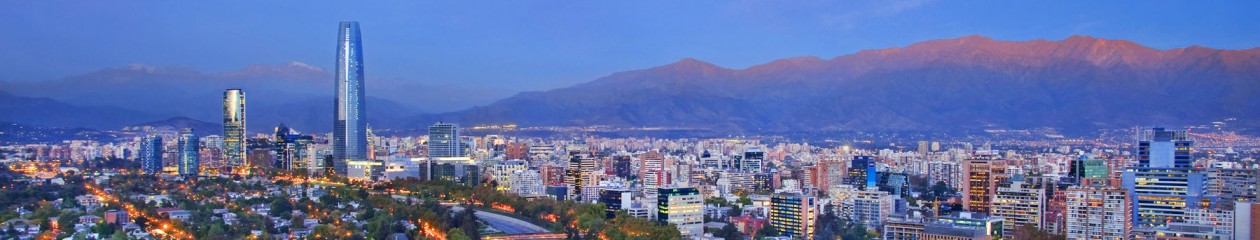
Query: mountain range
x=1077 y=84
x=296 y=94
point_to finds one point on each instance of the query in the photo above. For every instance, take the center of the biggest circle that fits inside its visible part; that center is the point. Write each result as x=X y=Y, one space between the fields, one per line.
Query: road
x=508 y=225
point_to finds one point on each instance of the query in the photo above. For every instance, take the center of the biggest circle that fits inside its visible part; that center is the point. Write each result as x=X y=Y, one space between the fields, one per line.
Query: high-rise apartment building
x=1097 y=212
x=982 y=173
x=1232 y=184
x=871 y=208
x=151 y=154
x=1019 y=204
x=444 y=141
x=189 y=153
x=794 y=214
x=526 y=183
x=350 y=115
x=234 y=130
x=683 y=207
x=581 y=166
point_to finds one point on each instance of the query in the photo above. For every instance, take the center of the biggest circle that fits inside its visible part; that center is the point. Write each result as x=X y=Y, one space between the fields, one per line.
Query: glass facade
x=189 y=153
x=234 y=128
x=151 y=154
x=350 y=121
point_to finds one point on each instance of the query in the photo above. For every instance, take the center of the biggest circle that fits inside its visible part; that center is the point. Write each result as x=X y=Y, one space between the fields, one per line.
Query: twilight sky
x=539 y=45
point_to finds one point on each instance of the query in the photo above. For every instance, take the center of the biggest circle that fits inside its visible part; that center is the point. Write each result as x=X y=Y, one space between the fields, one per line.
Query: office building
x=350 y=115
x=189 y=153
x=151 y=154
x=1085 y=167
x=753 y=161
x=794 y=214
x=615 y=199
x=862 y=172
x=234 y=149
x=683 y=207
x=1164 y=183
x=444 y=141
x=292 y=150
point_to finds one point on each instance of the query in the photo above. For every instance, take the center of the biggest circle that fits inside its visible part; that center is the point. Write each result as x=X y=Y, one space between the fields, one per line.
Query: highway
x=508 y=225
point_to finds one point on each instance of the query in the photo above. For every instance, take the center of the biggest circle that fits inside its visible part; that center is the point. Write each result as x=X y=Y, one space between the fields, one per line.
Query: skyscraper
x=234 y=129
x=444 y=141
x=151 y=154
x=982 y=173
x=350 y=120
x=1164 y=183
x=189 y=153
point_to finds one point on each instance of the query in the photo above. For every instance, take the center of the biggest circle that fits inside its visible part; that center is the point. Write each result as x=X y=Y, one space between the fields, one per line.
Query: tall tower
x=151 y=154
x=350 y=121
x=234 y=129
x=189 y=153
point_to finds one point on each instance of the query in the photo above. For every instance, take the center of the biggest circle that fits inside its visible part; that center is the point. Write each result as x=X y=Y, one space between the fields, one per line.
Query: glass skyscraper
x=350 y=121
x=234 y=128
x=151 y=154
x=189 y=153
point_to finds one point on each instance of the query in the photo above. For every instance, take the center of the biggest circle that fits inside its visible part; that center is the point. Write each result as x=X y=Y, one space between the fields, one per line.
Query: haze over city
x=734 y=120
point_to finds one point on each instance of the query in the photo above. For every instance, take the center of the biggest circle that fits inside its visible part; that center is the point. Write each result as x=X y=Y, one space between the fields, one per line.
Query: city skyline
x=1101 y=133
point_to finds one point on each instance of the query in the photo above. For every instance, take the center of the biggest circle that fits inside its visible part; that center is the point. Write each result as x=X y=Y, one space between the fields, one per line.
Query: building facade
x=350 y=115
x=683 y=207
x=189 y=153
x=234 y=149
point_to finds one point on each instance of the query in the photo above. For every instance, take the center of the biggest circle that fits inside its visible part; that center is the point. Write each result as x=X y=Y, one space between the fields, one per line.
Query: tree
x=456 y=234
x=729 y=232
x=768 y=231
x=744 y=201
x=216 y=232
x=1031 y=232
x=118 y=235
x=281 y=207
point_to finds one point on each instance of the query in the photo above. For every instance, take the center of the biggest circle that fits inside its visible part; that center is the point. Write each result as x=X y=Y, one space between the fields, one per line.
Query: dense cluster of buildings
x=1159 y=187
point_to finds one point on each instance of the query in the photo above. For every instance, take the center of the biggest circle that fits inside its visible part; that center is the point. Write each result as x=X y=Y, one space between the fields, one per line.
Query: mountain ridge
x=1079 y=83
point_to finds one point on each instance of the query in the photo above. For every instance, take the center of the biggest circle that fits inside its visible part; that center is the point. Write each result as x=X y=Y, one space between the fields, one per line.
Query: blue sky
x=538 y=45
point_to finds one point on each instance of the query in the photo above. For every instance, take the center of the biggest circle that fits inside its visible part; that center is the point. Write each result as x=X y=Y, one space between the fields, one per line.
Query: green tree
x=767 y=231
x=216 y=232
x=729 y=232
x=456 y=234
